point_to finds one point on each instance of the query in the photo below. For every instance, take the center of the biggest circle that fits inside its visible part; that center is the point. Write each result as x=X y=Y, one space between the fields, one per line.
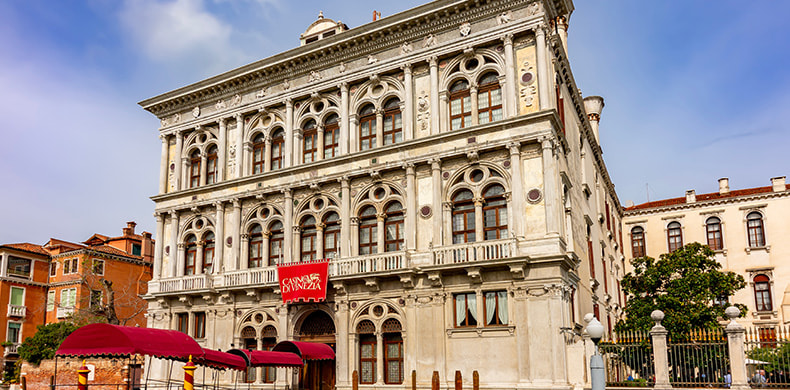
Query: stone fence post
x=660 y=359
x=735 y=344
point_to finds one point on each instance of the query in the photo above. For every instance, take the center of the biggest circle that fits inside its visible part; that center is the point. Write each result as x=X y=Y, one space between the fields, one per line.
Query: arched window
x=255 y=243
x=463 y=217
x=460 y=105
x=249 y=342
x=762 y=293
x=268 y=341
x=367 y=127
x=258 y=153
x=211 y=165
x=393 y=227
x=393 y=352
x=308 y=248
x=366 y=332
x=638 y=242
x=190 y=252
x=713 y=232
x=194 y=169
x=331 y=235
x=208 y=252
x=393 y=124
x=368 y=231
x=674 y=236
x=495 y=213
x=754 y=227
x=489 y=99
x=278 y=142
x=276 y=242
x=331 y=136
x=309 y=141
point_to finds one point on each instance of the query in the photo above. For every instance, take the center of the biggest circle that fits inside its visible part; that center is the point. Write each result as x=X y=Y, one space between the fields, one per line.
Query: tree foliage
x=45 y=342
x=684 y=285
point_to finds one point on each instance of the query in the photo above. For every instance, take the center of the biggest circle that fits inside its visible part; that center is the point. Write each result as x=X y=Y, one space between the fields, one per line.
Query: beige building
x=442 y=158
x=746 y=228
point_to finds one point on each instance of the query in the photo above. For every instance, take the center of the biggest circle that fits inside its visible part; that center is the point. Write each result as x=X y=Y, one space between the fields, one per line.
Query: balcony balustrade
x=10 y=349
x=63 y=312
x=185 y=283
x=16 y=311
x=389 y=261
x=474 y=251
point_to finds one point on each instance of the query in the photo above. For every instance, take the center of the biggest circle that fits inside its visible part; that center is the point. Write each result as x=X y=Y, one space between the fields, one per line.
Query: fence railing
x=628 y=359
x=768 y=356
x=699 y=359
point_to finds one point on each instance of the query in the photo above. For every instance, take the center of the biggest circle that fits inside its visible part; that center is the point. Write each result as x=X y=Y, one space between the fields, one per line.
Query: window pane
x=455 y=107
x=496 y=97
x=398 y=121
x=393 y=372
x=17 y=295
x=366 y=374
x=467 y=104
x=455 y=124
x=482 y=117
x=496 y=114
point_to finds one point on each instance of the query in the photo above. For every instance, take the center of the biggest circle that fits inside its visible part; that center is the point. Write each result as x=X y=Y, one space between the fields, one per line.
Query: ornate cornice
x=706 y=203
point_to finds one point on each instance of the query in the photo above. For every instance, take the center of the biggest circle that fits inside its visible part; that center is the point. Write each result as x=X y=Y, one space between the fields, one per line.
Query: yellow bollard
x=189 y=375
x=82 y=377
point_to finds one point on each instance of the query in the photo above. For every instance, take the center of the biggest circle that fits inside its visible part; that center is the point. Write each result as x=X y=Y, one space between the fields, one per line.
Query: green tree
x=684 y=285
x=45 y=342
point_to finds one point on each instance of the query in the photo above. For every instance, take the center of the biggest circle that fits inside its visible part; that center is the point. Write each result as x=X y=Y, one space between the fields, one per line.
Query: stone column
x=433 y=62
x=288 y=222
x=511 y=99
x=265 y=249
x=436 y=176
x=203 y=168
x=380 y=232
x=475 y=112
x=562 y=31
x=517 y=192
x=319 y=240
x=478 y=219
x=177 y=159
x=158 y=245
x=443 y=113
x=354 y=133
x=543 y=68
x=341 y=317
x=296 y=243
x=320 y=143
x=267 y=157
x=239 y=145
x=219 y=238
x=446 y=213
x=248 y=157
x=4 y=265
x=379 y=128
x=380 y=359
x=173 y=243
x=344 y=117
x=164 y=163
x=660 y=358
x=354 y=236
x=180 y=260
x=408 y=109
x=411 y=207
x=233 y=261
x=735 y=342
x=186 y=172
x=222 y=161
x=345 y=217
x=289 y=133
x=199 y=258
x=244 y=259
x=298 y=144
x=550 y=194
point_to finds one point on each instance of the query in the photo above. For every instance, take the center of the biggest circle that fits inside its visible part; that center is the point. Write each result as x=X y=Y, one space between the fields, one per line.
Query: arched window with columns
x=276 y=237
x=258 y=153
x=308 y=242
x=309 y=141
x=366 y=332
x=331 y=136
x=190 y=254
x=277 y=148
x=463 y=215
x=393 y=123
x=255 y=259
x=331 y=235
x=393 y=351
x=460 y=105
x=211 y=165
x=194 y=168
x=368 y=231
x=367 y=127
x=489 y=98
x=393 y=227
x=208 y=252
x=495 y=213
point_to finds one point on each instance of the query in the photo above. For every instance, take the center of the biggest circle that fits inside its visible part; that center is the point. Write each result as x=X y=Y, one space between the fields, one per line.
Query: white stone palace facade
x=445 y=162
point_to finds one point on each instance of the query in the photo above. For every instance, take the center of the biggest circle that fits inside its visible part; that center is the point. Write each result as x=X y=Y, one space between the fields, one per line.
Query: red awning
x=268 y=358
x=114 y=340
x=221 y=360
x=308 y=351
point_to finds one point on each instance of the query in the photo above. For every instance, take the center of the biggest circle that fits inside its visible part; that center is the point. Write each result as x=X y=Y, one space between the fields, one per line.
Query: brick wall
x=108 y=374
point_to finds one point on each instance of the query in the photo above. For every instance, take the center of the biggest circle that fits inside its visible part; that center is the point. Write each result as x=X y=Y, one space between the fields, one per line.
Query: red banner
x=303 y=282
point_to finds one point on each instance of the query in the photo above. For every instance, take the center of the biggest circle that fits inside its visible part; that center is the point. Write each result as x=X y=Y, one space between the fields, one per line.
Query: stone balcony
x=10 y=349
x=16 y=311
x=347 y=268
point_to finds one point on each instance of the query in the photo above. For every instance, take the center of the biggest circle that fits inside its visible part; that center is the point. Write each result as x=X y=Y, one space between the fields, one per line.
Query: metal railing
x=768 y=356
x=628 y=359
x=475 y=251
x=698 y=359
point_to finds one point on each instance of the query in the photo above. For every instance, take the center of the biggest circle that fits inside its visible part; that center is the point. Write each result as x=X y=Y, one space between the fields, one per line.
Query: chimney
x=148 y=248
x=594 y=105
x=724 y=186
x=129 y=229
x=779 y=184
x=691 y=196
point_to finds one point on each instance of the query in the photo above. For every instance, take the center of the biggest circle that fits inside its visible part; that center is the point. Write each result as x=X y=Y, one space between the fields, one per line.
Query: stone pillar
x=4 y=265
x=288 y=222
x=265 y=249
x=443 y=112
x=411 y=207
x=543 y=68
x=203 y=168
x=562 y=31
x=180 y=259
x=267 y=156
x=354 y=236
x=173 y=243
x=319 y=143
x=511 y=98
x=436 y=176
x=296 y=243
x=163 y=164
x=379 y=128
x=379 y=358
x=475 y=111
x=380 y=232
x=247 y=157
x=434 y=66
x=478 y=219
x=343 y=351
x=239 y=145
x=177 y=159
x=233 y=261
x=551 y=196
x=319 y=240
x=735 y=342
x=660 y=358
x=158 y=245
x=408 y=109
x=345 y=217
x=289 y=133
x=344 y=117
x=517 y=192
x=222 y=149
x=199 y=258
x=353 y=134
x=298 y=144
x=219 y=238
x=244 y=258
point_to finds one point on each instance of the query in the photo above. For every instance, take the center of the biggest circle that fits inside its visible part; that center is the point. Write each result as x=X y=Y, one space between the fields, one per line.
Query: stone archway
x=318 y=327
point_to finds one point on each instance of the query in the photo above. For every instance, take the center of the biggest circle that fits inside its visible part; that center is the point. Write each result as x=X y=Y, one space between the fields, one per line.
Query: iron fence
x=628 y=360
x=768 y=357
x=699 y=359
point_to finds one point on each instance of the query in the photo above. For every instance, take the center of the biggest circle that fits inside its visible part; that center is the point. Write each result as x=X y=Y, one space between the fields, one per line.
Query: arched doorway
x=318 y=327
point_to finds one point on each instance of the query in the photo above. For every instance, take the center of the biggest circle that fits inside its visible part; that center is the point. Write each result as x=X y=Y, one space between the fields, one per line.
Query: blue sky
x=695 y=90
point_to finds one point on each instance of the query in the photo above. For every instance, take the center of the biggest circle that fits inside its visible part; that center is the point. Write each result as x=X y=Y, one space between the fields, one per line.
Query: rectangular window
x=68 y=297
x=200 y=325
x=13 y=333
x=136 y=249
x=96 y=298
x=393 y=358
x=53 y=268
x=465 y=310
x=18 y=267
x=367 y=358
x=182 y=322
x=98 y=267
x=17 y=296
x=51 y=300
x=496 y=308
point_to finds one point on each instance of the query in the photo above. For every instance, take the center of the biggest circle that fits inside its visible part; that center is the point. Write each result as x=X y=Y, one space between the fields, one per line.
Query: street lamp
x=597 y=373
